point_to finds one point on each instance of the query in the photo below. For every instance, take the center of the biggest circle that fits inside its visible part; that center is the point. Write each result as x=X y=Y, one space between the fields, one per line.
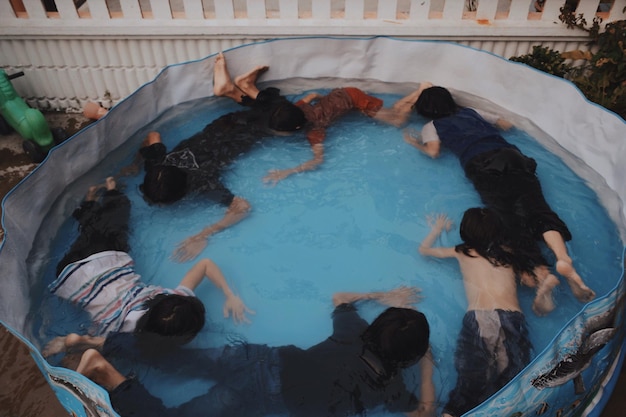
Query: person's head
x=175 y=318
x=398 y=336
x=164 y=184
x=481 y=227
x=435 y=103
x=482 y=230
x=286 y=117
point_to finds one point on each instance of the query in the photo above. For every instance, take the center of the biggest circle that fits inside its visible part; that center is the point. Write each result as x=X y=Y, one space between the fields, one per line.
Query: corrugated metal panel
x=104 y=70
x=107 y=70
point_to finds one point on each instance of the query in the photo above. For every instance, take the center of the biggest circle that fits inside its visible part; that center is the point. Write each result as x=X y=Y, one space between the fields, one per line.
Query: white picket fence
x=74 y=51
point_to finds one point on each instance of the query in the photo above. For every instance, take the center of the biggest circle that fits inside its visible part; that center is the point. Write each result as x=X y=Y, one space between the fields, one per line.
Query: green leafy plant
x=546 y=60
x=602 y=74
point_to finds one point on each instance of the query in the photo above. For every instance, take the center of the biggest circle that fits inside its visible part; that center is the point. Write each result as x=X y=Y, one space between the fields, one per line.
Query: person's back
x=487 y=287
x=224 y=139
x=358 y=368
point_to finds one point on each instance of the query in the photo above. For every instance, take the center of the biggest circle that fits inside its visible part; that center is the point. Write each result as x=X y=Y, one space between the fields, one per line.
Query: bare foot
x=544 y=303
x=582 y=292
x=528 y=279
x=223 y=86
x=247 y=82
x=92 y=192
x=56 y=345
x=71 y=343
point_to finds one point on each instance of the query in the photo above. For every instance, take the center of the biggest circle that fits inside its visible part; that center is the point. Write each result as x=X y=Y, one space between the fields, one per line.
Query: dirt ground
x=15 y=164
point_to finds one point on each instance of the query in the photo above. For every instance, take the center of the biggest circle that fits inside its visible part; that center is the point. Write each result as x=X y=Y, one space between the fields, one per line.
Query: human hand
x=403 y=297
x=189 y=248
x=410 y=135
x=276 y=175
x=439 y=222
x=235 y=308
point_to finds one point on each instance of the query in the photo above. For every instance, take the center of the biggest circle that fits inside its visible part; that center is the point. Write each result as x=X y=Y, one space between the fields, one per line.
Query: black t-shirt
x=333 y=379
x=206 y=154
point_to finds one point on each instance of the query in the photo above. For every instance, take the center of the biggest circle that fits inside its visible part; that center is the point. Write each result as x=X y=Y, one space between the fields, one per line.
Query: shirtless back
x=487 y=287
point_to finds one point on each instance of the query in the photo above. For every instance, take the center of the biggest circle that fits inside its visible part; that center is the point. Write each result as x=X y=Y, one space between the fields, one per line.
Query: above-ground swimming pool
x=353 y=225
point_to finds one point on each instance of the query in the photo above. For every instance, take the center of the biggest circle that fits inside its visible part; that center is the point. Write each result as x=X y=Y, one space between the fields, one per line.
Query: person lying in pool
x=493 y=345
x=195 y=165
x=504 y=178
x=358 y=368
x=98 y=275
x=321 y=111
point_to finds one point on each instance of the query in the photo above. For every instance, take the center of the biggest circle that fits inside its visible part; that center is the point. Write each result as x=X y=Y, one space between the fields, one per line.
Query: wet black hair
x=435 y=103
x=399 y=337
x=482 y=230
x=287 y=117
x=176 y=319
x=164 y=184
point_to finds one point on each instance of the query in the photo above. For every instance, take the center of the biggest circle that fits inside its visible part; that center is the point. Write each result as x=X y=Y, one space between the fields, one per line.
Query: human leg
x=516 y=343
x=545 y=283
x=103 y=225
x=475 y=366
x=398 y=114
x=243 y=85
x=565 y=267
x=128 y=397
x=247 y=82
x=515 y=191
x=246 y=375
x=114 y=218
x=531 y=206
x=72 y=342
x=223 y=85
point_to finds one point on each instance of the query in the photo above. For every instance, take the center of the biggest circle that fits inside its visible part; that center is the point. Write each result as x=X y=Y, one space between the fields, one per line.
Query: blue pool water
x=353 y=225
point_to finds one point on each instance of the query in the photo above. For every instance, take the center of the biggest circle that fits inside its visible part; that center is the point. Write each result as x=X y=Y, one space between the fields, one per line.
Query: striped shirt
x=106 y=286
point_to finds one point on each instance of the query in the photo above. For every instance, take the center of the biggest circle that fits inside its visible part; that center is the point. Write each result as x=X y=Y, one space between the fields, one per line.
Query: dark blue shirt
x=467 y=135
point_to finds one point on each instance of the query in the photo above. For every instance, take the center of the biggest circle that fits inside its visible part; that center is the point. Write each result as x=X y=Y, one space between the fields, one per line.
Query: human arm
x=413 y=138
x=311 y=97
x=427 y=397
x=192 y=246
x=233 y=306
x=402 y=296
x=133 y=169
x=437 y=224
x=318 y=158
